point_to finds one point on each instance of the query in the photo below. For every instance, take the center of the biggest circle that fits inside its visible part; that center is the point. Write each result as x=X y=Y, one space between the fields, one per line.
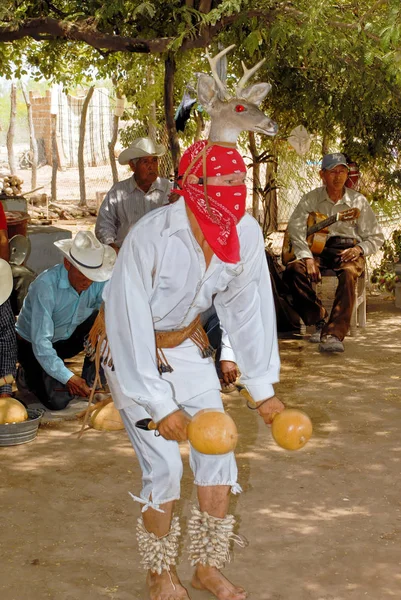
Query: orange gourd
x=291 y=429
x=106 y=418
x=212 y=432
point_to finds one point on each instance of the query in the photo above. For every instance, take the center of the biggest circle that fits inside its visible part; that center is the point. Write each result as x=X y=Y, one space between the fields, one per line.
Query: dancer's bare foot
x=161 y=586
x=210 y=578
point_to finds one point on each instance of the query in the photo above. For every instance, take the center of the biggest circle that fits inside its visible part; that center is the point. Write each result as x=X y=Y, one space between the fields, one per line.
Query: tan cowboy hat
x=89 y=256
x=6 y=281
x=139 y=148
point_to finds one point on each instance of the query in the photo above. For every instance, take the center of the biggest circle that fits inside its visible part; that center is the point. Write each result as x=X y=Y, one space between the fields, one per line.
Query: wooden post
x=32 y=139
x=81 y=144
x=271 y=209
x=255 y=175
x=169 y=73
x=11 y=130
x=54 y=158
x=113 y=141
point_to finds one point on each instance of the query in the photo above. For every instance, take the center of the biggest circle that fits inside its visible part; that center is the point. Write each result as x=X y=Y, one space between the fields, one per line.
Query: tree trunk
x=169 y=73
x=325 y=144
x=255 y=175
x=32 y=139
x=54 y=158
x=11 y=130
x=81 y=165
x=271 y=209
x=113 y=141
x=200 y=125
x=152 y=128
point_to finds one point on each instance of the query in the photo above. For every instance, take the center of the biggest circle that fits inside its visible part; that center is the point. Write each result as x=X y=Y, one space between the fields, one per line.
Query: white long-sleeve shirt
x=365 y=229
x=160 y=281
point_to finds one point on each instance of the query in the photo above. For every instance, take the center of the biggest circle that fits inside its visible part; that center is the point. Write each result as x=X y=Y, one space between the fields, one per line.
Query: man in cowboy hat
x=132 y=198
x=58 y=312
x=8 y=343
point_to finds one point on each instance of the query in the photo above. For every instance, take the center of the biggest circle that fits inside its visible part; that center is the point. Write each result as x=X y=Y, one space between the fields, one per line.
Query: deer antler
x=213 y=61
x=247 y=75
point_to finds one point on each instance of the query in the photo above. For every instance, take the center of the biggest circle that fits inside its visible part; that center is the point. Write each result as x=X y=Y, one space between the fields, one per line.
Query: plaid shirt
x=8 y=345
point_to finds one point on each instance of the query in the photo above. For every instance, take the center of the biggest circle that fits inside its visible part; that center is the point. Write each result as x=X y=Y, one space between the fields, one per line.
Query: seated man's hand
x=174 y=426
x=229 y=371
x=312 y=270
x=269 y=408
x=173 y=196
x=350 y=254
x=78 y=386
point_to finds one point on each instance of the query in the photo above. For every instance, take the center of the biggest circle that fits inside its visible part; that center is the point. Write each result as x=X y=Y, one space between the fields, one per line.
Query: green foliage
x=334 y=66
x=384 y=276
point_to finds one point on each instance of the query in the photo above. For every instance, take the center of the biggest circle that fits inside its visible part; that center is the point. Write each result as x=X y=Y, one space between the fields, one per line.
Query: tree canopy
x=334 y=66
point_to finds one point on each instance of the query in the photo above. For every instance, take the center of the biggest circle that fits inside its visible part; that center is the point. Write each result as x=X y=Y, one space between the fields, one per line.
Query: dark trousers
x=305 y=300
x=213 y=331
x=53 y=394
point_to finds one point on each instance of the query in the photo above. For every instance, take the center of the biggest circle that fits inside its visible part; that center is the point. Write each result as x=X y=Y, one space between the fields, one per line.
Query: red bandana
x=219 y=212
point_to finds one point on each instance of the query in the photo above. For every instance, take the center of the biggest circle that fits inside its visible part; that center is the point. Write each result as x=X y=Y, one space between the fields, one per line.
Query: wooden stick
x=244 y=392
x=6 y=379
x=93 y=390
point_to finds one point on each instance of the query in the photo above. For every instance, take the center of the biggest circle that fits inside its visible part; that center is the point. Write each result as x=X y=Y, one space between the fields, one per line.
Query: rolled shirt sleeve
x=369 y=231
x=42 y=332
x=107 y=220
x=246 y=311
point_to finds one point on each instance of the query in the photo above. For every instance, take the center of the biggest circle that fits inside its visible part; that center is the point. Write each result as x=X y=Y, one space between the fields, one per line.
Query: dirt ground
x=323 y=523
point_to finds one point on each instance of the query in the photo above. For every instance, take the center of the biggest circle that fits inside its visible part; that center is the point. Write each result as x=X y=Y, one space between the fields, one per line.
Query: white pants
x=160 y=459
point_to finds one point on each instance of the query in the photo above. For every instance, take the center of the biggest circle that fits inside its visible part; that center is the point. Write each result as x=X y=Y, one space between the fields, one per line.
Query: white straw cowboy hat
x=89 y=256
x=139 y=148
x=6 y=281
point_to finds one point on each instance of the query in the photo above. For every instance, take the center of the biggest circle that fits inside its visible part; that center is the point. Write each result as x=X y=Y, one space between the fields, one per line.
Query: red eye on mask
x=240 y=108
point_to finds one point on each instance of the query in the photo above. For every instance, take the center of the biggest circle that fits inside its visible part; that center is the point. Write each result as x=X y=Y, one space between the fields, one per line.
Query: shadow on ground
x=323 y=523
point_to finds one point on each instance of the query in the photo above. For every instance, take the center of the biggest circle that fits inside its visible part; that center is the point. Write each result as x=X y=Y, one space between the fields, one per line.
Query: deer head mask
x=230 y=116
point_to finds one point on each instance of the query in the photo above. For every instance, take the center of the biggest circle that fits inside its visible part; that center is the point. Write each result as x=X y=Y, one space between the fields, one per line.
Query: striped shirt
x=125 y=204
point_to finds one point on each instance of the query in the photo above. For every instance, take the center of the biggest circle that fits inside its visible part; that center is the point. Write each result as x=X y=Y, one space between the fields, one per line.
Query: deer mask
x=231 y=116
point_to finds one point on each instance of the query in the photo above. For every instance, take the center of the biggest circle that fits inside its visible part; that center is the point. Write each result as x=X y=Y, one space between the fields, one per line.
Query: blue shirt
x=51 y=312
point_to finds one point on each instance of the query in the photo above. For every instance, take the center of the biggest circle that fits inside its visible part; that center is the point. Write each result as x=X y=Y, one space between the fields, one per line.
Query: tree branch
x=83 y=31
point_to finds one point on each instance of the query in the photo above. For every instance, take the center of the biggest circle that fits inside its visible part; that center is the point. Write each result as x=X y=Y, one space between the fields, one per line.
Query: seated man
x=58 y=312
x=132 y=198
x=348 y=242
x=8 y=342
x=22 y=276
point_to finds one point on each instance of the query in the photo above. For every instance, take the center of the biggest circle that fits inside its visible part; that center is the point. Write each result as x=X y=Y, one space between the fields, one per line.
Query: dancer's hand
x=174 y=426
x=229 y=371
x=268 y=409
x=78 y=387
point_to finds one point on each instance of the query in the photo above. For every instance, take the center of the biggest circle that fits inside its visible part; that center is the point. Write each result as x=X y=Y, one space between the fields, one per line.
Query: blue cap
x=333 y=160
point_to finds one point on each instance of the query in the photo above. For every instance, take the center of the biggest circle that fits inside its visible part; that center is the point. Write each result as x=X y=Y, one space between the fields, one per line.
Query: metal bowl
x=13 y=434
